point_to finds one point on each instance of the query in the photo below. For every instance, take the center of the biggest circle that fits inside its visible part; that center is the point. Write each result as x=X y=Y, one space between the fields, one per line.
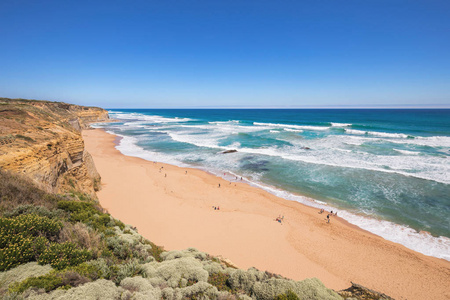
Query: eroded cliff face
x=42 y=140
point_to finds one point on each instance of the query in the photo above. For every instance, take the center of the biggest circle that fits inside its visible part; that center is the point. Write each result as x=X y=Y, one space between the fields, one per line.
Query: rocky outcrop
x=229 y=151
x=42 y=140
x=360 y=292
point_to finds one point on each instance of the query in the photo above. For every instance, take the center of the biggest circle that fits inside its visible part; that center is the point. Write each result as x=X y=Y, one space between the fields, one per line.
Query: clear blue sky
x=228 y=53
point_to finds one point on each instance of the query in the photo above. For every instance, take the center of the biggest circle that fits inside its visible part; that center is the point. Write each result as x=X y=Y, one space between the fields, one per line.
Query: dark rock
x=229 y=151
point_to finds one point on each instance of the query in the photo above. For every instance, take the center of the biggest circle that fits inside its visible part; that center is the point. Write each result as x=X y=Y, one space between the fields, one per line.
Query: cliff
x=42 y=140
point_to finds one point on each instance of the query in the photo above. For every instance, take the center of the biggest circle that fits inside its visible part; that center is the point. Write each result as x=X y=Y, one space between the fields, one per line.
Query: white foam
x=380 y=134
x=292 y=130
x=323 y=152
x=340 y=124
x=225 y=122
x=305 y=127
x=388 y=135
x=147 y=118
x=407 y=152
x=274 y=131
x=208 y=141
x=432 y=141
x=354 y=131
x=128 y=146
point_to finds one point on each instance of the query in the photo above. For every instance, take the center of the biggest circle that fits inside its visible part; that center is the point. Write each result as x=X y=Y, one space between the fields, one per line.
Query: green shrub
x=88 y=213
x=23 y=137
x=22 y=272
x=289 y=295
x=88 y=270
x=24 y=238
x=155 y=250
x=29 y=225
x=120 y=248
x=51 y=281
x=18 y=251
x=48 y=282
x=130 y=269
x=63 y=255
x=34 y=209
x=119 y=224
x=220 y=281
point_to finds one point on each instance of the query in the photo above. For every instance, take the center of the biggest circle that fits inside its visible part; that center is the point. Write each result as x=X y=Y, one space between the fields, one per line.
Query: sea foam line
x=380 y=134
x=305 y=127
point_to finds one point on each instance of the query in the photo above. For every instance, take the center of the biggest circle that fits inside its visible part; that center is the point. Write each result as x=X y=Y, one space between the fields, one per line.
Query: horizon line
x=295 y=107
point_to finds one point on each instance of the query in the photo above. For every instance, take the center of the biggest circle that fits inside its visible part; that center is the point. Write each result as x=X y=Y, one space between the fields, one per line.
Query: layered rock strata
x=42 y=140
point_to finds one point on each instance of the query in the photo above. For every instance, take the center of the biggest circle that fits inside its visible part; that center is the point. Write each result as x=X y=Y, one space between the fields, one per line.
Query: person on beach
x=328 y=218
x=335 y=214
x=165 y=175
x=185 y=173
x=219 y=184
x=321 y=211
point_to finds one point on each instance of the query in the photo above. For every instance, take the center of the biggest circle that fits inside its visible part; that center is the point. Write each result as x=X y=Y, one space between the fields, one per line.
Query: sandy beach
x=173 y=207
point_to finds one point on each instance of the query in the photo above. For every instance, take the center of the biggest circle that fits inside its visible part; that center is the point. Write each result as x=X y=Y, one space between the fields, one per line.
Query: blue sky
x=227 y=53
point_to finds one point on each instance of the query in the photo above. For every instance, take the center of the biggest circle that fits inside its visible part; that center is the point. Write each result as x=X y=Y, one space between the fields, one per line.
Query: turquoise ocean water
x=387 y=171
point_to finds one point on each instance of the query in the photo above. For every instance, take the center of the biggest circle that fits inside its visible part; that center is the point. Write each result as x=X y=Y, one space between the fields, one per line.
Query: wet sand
x=175 y=210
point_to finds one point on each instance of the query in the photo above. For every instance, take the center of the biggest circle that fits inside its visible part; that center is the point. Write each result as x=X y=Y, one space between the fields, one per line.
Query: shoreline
x=176 y=212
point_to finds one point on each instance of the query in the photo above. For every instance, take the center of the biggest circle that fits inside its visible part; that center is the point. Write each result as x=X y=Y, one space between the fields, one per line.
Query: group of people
x=216 y=207
x=328 y=215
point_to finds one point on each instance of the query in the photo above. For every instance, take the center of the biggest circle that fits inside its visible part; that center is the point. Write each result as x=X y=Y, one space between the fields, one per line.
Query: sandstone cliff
x=42 y=140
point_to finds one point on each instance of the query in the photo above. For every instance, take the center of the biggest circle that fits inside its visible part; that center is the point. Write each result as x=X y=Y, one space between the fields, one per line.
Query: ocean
x=386 y=171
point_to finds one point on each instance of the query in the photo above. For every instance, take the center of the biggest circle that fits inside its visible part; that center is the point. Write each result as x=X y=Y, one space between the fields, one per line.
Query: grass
x=23 y=137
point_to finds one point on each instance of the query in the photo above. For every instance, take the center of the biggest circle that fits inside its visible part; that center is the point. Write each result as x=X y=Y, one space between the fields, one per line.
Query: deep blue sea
x=387 y=171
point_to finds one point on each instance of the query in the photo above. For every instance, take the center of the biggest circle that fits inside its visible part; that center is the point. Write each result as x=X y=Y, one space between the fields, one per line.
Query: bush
x=130 y=269
x=21 y=273
x=220 y=281
x=88 y=213
x=24 y=238
x=289 y=295
x=60 y=256
x=83 y=236
x=29 y=225
x=42 y=211
x=48 y=282
x=23 y=137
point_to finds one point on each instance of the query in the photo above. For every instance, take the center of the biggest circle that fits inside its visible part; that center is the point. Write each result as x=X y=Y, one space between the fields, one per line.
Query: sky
x=190 y=54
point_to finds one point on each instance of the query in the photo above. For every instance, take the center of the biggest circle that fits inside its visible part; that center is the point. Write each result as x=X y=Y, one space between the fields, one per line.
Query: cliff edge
x=42 y=140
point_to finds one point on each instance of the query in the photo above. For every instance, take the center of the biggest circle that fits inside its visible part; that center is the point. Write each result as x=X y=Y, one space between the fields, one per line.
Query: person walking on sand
x=328 y=218
x=219 y=184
